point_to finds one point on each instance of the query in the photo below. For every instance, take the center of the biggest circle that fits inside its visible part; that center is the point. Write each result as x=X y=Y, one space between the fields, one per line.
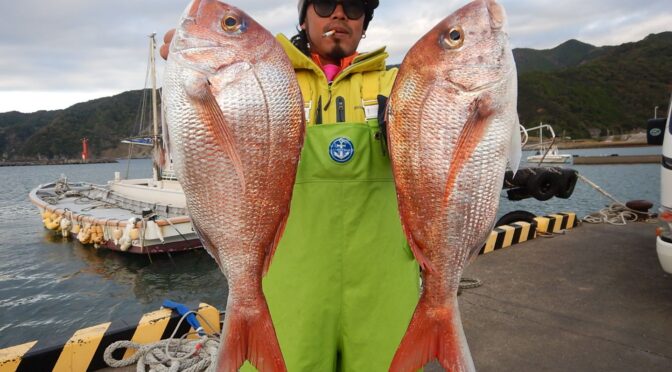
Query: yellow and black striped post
x=556 y=222
x=519 y=232
x=84 y=350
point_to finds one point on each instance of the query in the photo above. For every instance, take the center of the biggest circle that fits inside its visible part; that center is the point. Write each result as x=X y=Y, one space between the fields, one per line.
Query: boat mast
x=156 y=171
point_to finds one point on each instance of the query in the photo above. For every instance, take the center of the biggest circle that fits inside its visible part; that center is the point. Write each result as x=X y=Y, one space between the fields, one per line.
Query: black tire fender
x=569 y=179
x=544 y=184
x=515 y=216
x=517 y=194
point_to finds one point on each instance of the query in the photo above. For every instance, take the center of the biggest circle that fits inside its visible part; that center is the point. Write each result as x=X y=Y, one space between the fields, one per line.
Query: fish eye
x=231 y=23
x=452 y=39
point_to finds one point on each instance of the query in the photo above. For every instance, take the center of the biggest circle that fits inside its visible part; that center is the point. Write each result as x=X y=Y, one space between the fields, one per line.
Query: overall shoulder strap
x=370 y=92
x=305 y=83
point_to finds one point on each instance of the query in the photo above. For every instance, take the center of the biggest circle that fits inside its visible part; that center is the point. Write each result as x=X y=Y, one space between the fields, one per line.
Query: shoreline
x=578 y=144
x=588 y=144
x=55 y=162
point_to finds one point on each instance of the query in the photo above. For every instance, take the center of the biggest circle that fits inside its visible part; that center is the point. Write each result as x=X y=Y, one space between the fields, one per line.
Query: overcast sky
x=55 y=53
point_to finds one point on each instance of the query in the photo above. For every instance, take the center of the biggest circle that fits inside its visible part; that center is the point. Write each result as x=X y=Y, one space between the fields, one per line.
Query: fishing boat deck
x=594 y=299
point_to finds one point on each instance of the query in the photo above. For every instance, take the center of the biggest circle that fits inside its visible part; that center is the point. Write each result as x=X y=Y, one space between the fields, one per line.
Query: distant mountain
x=58 y=134
x=609 y=88
x=571 y=53
x=576 y=87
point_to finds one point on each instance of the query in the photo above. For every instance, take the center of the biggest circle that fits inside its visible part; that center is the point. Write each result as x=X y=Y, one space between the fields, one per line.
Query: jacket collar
x=364 y=62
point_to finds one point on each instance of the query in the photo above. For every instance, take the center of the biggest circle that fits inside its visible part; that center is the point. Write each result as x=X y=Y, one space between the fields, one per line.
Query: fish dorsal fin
x=480 y=113
x=214 y=119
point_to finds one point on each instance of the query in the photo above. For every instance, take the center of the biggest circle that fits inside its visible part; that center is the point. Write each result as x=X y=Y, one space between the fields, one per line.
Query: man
x=343 y=284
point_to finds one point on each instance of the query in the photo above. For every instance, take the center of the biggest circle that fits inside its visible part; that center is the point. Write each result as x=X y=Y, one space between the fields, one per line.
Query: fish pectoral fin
x=200 y=92
x=480 y=115
x=271 y=250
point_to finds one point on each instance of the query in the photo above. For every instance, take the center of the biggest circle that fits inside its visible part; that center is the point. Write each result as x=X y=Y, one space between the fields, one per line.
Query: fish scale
x=452 y=127
x=234 y=113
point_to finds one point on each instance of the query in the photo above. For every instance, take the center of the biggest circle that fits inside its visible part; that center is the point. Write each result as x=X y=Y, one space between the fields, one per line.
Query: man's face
x=342 y=43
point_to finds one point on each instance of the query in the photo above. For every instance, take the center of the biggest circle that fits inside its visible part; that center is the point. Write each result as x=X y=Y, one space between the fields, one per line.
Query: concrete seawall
x=620 y=159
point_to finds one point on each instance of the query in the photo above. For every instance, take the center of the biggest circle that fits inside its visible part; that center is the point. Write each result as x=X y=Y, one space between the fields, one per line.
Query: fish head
x=212 y=35
x=469 y=48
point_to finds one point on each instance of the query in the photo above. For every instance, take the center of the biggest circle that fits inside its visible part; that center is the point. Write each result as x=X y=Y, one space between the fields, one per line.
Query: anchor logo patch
x=341 y=150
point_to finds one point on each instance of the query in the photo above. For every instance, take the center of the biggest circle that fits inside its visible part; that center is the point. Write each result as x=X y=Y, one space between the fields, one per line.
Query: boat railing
x=542 y=148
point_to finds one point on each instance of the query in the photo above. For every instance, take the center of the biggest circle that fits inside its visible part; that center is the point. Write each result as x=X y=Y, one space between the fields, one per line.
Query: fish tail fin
x=434 y=333
x=250 y=336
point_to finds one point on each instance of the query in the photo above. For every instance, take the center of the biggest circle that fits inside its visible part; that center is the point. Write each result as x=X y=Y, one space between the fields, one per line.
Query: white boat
x=133 y=215
x=552 y=156
x=546 y=152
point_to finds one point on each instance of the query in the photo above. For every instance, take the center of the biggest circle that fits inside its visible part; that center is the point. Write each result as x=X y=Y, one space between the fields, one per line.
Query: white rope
x=615 y=214
x=170 y=355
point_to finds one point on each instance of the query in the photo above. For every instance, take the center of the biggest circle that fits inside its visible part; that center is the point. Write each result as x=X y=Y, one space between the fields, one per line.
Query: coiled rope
x=469 y=283
x=170 y=355
x=616 y=214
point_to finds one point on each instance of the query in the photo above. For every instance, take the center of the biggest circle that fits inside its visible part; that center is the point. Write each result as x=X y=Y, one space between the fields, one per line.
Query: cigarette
x=328 y=33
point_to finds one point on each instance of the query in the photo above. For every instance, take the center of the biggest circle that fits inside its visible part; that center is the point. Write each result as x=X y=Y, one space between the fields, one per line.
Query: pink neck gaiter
x=331 y=71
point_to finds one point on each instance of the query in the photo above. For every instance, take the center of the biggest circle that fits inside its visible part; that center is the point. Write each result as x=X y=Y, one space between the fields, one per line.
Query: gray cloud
x=101 y=46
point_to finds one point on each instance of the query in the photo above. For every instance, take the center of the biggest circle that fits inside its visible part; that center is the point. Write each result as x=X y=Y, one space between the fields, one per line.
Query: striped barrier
x=84 y=350
x=507 y=235
x=556 y=222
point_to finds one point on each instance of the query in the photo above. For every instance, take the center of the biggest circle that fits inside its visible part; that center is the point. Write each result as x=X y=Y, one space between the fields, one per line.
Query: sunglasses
x=353 y=9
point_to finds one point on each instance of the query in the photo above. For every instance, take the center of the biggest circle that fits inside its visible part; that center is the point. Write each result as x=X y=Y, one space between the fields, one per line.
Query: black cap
x=369 y=5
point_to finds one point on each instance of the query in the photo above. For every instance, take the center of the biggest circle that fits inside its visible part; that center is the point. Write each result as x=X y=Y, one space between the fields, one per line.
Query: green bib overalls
x=343 y=284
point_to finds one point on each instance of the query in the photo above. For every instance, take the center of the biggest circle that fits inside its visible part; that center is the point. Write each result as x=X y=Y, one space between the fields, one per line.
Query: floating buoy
x=53 y=222
x=46 y=214
x=126 y=240
x=117 y=234
x=84 y=235
x=75 y=228
x=65 y=226
x=134 y=233
x=96 y=234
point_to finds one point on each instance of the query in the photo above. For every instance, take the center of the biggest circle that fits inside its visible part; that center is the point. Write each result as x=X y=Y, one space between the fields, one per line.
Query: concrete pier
x=594 y=299
x=620 y=159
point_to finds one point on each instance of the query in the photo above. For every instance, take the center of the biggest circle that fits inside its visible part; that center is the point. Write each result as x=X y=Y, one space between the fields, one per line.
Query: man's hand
x=167 y=38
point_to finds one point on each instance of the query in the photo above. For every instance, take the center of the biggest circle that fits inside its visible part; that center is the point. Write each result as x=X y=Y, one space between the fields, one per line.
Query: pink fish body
x=452 y=126
x=234 y=114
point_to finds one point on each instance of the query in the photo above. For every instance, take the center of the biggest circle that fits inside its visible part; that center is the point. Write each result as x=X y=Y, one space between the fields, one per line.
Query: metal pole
x=156 y=172
x=655 y=112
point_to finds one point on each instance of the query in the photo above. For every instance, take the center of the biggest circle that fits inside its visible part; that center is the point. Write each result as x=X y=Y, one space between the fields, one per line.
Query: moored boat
x=546 y=152
x=552 y=156
x=141 y=216
x=134 y=216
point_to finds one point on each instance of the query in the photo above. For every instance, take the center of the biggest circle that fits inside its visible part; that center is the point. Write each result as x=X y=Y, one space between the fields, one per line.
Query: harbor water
x=50 y=287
